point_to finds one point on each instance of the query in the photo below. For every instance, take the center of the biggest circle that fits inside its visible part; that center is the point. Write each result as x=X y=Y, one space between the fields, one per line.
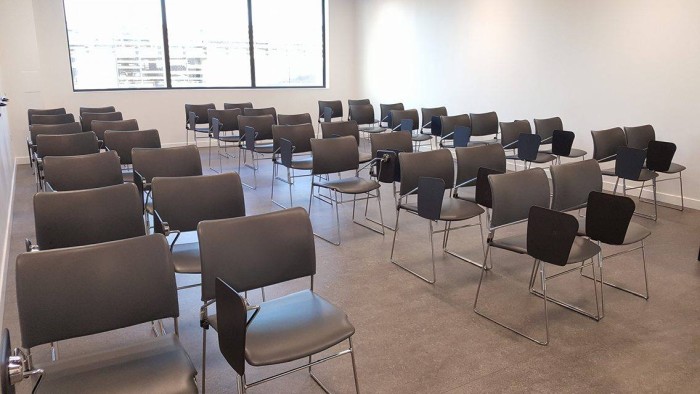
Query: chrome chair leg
x=432 y=252
x=204 y=359
x=644 y=295
x=354 y=366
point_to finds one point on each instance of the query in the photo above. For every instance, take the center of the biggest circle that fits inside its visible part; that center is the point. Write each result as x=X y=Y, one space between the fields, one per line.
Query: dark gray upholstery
x=54 y=129
x=261 y=112
x=573 y=182
x=514 y=193
x=262 y=125
x=391 y=141
x=510 y=131
x=358 y=102
x=294 y=119
x=484 y=124
x=66 y=144
x=52 y=119
x=545 y=128
x=84 y=217
x=333 y=155
x=100 y=126
x=470 y=159
x=72 y=292
x=240 y=106
x=228 y=118
x=436 y=164
x=386 y=108
x=363 y=114
x=428 y=113
x=48 y=111
x=638 y=137
x=335 y=105
x=87 y=118
x=163 y=162
x=300 y=136
x=606 y=142
x=398 y=115
x=200 y=111
x=340 y=129
x=238 y=250
x=90 y=171
x=96 y=110
x=449 y=123
x=123 y=142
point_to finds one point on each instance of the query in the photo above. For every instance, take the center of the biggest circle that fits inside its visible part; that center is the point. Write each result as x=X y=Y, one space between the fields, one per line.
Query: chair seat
x=635 y=232
x=202 y=130
x=574 y=153
x=303 y=163
x=186 y=258
x=229 y=138
x=582 y=248
x=544 y=158
x=157 y=365
x=488 y=141
x=292 y=327
x=608 y=171
x=674 y=169
x=421 y=137
x=354 y=185
x=365 y=157
x=373 y=129
x=647 y=175
x=452 y=209
x=467 y=193
x=264 y=148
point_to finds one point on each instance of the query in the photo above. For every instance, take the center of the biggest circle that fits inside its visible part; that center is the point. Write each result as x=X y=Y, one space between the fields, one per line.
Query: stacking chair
x=639 y=137
x=605 y=144
x=55 y=129
x=292 y=146
x=385 y=113
x=52 y=119
x=49 y=111
x=545 y=128
x=86 y=217
x=469 y=161
x=222 y=125
x=342 y=129
x=73 y=292
x=446 y=127
x=295 y=119
x=87 y=118
x=297 y=326
x=257 y=136
x=484 y=125
x=62 y=145
x=240 y=106
x=427 y=115
x=397 y=117
x=329 y=110
x=335 y=155
x=261 y=112
x=123 y=142
x=363 y=114
x=562 y=146
x=64 y=173
x=180 y=203
x=197 y=115
x=572 y=183
x=358 y=102
x=429 y=174
x=100 y=126
x=529 y=150
x=629 y=166
x=96 y=110
x=510 y=133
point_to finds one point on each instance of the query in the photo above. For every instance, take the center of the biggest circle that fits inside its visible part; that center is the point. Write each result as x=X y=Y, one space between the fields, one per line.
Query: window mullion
x=250 y=43
x=166 y=46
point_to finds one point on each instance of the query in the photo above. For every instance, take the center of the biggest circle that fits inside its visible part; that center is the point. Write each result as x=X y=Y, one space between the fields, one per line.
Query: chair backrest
x=73 y=292
x=333 y=155
x=201 y=113
x=431 y=192
x=163 y=162
x=261 y=112
x=49 y=111
x=639 y=137
x=562 y=141
x=256 y=251
x=294 y=119
x=84 y=217
x=470 y=159
x=448 y=124
x=528 y=146
x=123 y=142
x=436 y=164
x=514 y=193
x=336 y=107
x=66 y=144
x=550 y=235
x=510 y=132
x=240 y=106
x=399 y=115
x=262 y=124
x=341 y=129
x=427 y=114
x=484 y=124
x=629 y=162
x=606 y=142
x=183 y=202
x=608 y=217
x=400 y=142
x=100 y=126
x=545 y=127
x=362 y=113
x=660 y=155
x=384 y=110
x=55 y=129
x=299 y=135
x=96 y=110
x=90 y=171
x=228 y=118
x=52 y=119
x=87 y=118
x=358 y=102
x=573 y=182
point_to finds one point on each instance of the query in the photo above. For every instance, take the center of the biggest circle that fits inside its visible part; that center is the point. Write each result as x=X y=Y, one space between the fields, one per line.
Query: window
x=155 y=44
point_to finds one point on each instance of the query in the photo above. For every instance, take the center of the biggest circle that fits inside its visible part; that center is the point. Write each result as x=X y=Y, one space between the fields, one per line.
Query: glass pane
x=288 y=42
x=115 y=43
x=208 y=42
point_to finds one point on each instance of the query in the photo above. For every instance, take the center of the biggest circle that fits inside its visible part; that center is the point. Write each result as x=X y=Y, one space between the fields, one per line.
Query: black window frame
x=166 y=56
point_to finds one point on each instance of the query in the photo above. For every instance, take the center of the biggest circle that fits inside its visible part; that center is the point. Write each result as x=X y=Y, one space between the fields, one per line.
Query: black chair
x=429 y=174
x=363 y=114
x=257 y=139
x=605 y=145
x=443 y=127
x=65 y=173
x=293 y=327
x=342 y=129
x=294 y=119
x=562 y=146
x=485 y=125
x=292 y=151
x=336 y=155
x=329 y=110
x=86 y=118
x=123 y=142
x=240 y=106
x=54 y=129
x=197 y=115
x=177 y=209
x=352 y=102
x=96 y=110
x=529 y=150
x=73 y=292
x=224 y=128
x=629 y=166
x=385 y=113
x=51 y=119
x=100 y=126
x=261 y=112
x=82 y=143
x=48 y=111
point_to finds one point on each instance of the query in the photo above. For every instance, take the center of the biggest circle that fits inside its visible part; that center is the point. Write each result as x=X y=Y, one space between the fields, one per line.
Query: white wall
x=596 y=64
x=40 y=74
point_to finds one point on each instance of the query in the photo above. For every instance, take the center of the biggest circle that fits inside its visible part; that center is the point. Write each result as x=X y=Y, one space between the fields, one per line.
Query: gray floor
x=414 y=337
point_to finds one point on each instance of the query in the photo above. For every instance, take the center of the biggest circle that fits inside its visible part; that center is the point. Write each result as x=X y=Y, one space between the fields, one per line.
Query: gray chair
x=52 y=119
x=48 y=111
x=485 y=125
x=385 y=110
x=343 y=129
x=293 y=327
x=62 y=145
x=261 y=112
x=402 y=116
x=529 y=148
x=87 y=118
x=639 y=137
x=352 y=102
x=329 y=110
x=224 y=129
x=60 y=296
x=256 y=139
x=428 y=175
x=65 y=173
x=363 y=114
x=293 y=151
x=469 y=160
x=629 y=166
x=605 y=144
x=86 y=217
x=510 y=133
x=100 y=126
x=336 y=155
x=96 y=110
x=295 y=119
x=426 y=115
x=123 y=142
x=446 y=129
x=550 y=130
x=545 y=128
x=54 y=129
x=180 y=203
x=240 y=106
x=196 y=116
